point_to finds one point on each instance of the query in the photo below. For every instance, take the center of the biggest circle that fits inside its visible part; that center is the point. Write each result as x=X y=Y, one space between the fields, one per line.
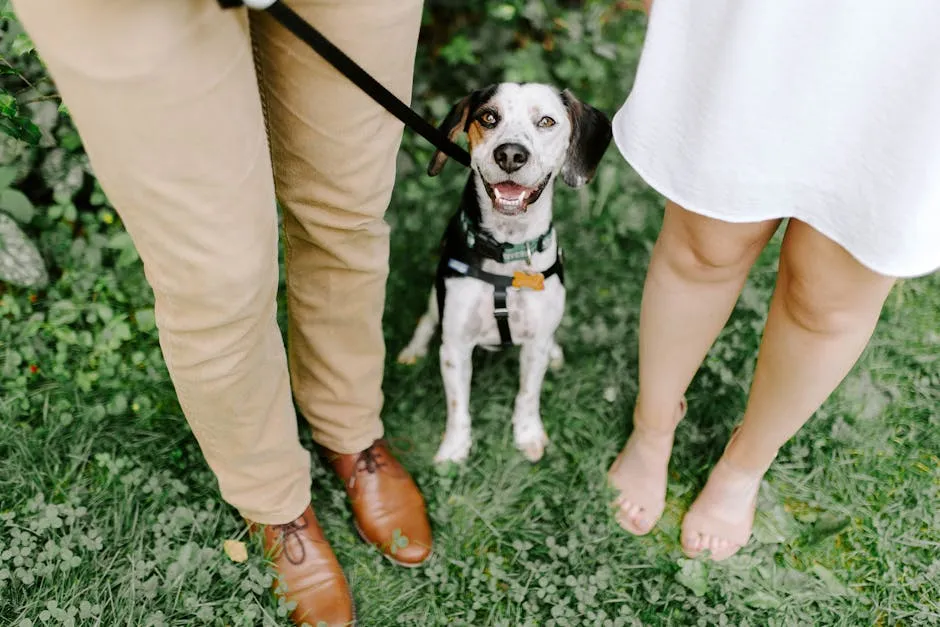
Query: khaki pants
x=166 y=97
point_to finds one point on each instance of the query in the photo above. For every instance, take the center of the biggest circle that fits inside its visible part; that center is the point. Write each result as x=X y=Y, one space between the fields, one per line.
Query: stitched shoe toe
x=388 y=508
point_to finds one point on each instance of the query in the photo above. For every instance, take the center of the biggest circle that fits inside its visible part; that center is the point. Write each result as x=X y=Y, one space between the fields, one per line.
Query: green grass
x=109 y=516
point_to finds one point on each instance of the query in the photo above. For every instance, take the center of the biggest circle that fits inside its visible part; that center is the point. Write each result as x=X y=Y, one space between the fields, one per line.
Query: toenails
x=717 y=548
x=632 y=518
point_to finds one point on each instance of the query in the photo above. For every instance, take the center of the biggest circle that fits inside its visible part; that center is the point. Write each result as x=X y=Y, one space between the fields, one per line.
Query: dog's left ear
x=590 y=135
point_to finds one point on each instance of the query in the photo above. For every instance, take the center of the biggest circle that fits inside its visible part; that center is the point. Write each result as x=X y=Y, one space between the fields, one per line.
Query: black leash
x=290 y=20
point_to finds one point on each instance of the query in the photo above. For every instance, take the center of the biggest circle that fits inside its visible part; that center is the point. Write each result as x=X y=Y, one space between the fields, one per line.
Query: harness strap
x=455 y=267
x=501 y=312
x=501 y=283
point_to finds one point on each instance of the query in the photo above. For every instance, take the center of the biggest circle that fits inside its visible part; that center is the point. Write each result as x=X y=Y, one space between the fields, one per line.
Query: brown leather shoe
x=386 y=504
x=306 y=565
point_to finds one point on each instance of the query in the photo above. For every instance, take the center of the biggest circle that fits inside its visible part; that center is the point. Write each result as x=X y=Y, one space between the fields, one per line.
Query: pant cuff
x=349 y=444
x=291 y=510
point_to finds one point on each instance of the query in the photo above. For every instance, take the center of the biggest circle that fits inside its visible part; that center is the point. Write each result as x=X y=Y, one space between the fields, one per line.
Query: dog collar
x=501 y=251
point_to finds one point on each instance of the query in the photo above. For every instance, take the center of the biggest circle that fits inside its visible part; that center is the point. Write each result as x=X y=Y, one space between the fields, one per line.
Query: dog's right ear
x=453 y=124
x=458 y=121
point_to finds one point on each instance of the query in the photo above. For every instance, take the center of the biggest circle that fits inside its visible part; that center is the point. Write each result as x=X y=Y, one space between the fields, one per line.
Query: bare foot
x=722 y=515
x=639 y=474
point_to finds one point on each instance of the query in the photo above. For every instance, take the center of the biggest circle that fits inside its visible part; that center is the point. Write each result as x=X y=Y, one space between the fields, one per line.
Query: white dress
x=827 y=111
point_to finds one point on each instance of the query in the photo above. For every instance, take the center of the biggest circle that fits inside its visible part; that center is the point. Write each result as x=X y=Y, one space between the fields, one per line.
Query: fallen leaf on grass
x=235 y=550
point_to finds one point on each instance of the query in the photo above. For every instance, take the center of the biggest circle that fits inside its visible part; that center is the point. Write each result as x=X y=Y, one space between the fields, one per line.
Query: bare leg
x=696 y=273
x=824 y=310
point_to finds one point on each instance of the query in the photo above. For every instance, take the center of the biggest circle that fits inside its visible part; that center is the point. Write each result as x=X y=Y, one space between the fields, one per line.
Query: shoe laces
x=291 y=544
x=371 y=459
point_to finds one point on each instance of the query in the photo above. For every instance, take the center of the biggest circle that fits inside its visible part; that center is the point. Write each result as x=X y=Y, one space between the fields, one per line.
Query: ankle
x=657 y=422
x=653 y=433
x=745 y=457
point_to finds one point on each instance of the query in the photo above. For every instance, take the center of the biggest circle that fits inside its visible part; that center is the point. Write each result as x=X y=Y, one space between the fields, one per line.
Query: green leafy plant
x=21 y=263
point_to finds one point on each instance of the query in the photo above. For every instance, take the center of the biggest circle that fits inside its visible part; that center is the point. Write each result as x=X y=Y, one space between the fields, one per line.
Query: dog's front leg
x=456 y=371
x=528 y=431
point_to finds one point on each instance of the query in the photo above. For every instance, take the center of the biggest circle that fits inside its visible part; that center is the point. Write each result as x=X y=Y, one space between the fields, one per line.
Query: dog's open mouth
x=511 y=199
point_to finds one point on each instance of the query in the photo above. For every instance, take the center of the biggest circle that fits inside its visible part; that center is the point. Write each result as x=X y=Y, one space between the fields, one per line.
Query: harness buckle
x=528 y=254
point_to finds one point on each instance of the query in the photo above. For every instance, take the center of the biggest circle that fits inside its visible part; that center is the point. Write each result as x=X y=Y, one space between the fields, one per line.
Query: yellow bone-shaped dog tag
x=525 y=280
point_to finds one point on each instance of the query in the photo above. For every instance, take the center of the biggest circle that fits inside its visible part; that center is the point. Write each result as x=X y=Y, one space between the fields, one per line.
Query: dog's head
x=522 y=136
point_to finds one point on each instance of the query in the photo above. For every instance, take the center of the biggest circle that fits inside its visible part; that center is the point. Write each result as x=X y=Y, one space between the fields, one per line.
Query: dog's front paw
x=455 y=447
x=410 y=355
x=530 y=438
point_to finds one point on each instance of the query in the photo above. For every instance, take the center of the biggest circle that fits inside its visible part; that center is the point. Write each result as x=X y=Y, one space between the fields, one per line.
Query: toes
x=692 y=544
x=624 y=520
x=642 y=525
x=727 y=549
x=718 y=548
x=632 y=518
x=636 y=516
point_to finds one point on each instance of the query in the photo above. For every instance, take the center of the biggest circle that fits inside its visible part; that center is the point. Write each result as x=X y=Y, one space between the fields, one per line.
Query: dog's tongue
x=510 y=192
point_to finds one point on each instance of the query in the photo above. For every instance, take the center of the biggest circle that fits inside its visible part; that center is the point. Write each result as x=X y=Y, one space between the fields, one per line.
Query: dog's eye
x=488 y=119
x=546 y=122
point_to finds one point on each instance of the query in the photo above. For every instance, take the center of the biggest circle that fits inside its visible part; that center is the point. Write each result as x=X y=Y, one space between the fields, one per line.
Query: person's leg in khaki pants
x=334 y=153
x=166 y=100
x=335 y=199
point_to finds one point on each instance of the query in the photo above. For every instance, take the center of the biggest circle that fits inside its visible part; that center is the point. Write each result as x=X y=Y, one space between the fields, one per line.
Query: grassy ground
x=108 y=515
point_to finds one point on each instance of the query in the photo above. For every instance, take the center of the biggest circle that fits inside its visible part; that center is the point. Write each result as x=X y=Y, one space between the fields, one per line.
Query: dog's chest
x=533 y=314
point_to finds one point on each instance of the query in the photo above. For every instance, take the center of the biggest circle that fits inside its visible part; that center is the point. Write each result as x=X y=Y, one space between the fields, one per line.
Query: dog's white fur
x=468 y=318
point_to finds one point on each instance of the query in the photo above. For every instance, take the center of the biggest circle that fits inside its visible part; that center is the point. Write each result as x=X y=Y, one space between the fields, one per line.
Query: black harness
x=463 y=248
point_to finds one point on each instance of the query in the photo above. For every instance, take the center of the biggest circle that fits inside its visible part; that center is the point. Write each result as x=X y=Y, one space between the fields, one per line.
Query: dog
x=500 y=279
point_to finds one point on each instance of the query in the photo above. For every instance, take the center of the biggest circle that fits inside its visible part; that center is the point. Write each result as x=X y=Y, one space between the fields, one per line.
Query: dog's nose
x=510 y=157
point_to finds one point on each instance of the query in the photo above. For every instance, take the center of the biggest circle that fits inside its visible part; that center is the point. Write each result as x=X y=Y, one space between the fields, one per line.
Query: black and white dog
x=500 y=279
